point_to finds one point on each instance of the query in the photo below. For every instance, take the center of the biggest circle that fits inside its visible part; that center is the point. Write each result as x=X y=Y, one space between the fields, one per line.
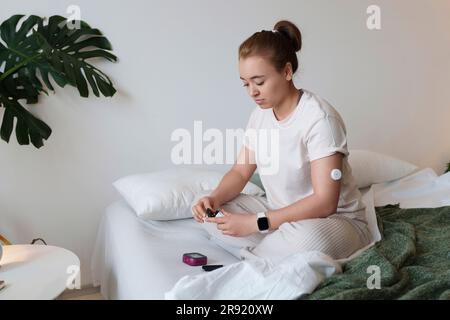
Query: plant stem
x=18 y=66
x=18 y=53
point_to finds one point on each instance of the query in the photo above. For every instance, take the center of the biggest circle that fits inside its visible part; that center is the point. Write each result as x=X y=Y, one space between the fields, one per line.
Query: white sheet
x=423 y=189
x=133 y=259
x=142 y=260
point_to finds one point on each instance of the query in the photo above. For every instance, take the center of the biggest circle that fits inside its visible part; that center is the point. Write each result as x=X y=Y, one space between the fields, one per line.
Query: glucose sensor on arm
x=336 y=174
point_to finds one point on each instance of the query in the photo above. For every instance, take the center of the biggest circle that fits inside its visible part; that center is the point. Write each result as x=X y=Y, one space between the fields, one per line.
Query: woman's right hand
x=199 y=209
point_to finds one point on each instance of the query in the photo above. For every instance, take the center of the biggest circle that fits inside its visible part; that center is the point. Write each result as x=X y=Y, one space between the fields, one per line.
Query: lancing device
x=211 y=267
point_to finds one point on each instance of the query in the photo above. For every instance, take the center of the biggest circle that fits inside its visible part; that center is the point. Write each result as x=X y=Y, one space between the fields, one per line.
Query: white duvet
x=259 y=279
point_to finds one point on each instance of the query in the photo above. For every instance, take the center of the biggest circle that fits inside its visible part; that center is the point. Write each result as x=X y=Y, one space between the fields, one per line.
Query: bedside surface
x=36 y=271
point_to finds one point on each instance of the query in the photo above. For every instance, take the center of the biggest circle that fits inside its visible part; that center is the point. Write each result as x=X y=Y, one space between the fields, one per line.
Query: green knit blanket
x=412 y=259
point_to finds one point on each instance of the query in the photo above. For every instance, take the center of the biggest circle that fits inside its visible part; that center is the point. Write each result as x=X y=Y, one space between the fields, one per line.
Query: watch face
x=263 y=223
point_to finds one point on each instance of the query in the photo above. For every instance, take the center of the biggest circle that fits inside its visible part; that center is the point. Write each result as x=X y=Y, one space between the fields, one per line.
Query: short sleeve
x=326 y=137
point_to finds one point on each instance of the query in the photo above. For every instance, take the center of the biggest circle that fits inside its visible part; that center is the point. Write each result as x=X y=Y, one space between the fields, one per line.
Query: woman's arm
x=234 y=181
x=324 y=200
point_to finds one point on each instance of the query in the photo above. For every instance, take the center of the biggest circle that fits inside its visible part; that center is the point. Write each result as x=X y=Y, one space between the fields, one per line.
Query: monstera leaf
x=34 y=53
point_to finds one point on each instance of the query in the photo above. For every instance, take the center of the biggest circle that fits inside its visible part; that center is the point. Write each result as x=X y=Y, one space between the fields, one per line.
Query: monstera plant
x=36 y=51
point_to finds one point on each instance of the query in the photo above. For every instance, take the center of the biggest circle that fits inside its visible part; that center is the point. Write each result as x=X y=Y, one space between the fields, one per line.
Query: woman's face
x=263 y=82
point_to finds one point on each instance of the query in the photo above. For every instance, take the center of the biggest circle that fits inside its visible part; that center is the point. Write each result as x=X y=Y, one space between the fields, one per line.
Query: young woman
x=313 y=202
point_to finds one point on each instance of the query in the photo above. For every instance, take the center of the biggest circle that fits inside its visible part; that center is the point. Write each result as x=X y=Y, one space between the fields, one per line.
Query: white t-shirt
x=284 y=150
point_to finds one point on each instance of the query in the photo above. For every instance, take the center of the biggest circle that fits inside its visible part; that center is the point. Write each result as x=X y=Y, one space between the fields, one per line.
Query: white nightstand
x=36 y=271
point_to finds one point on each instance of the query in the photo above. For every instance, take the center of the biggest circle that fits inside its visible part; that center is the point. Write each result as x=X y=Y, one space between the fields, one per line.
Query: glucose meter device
x=212 y=214
x=336 y=174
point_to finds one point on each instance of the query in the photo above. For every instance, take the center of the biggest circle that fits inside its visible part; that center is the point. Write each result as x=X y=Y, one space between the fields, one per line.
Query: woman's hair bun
x=291 y=31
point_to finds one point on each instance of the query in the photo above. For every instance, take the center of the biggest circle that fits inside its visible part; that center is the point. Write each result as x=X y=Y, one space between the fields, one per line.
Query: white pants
x=336 y=235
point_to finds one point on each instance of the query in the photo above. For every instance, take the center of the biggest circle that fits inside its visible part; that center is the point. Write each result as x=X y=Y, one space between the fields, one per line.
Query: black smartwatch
x=263 y=222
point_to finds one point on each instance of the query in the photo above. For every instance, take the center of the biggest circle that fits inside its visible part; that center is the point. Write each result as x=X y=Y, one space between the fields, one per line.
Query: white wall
x=178 y=63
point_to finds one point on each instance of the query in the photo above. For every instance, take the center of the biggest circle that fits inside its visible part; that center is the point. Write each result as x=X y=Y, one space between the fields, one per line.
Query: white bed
x=135 y=259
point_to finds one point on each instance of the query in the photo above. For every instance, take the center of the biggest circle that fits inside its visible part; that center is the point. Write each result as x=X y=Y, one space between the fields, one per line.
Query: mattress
x=136 y=259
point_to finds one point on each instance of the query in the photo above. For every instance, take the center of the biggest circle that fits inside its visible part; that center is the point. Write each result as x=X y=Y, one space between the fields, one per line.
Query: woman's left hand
x=236 y=224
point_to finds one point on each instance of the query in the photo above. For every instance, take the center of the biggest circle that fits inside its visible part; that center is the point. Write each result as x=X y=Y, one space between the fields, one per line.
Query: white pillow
x=168 y=194
x=370 y=167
